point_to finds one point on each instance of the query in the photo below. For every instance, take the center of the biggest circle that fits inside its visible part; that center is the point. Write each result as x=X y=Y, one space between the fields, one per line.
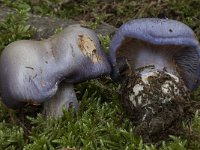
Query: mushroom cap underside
x=160 y=42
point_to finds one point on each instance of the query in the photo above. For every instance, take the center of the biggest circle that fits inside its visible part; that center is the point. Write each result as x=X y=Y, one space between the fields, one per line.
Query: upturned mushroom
x=157 y=63
x=32 y=71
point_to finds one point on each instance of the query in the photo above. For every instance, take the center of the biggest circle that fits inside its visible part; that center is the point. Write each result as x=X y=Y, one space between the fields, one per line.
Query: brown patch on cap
x=42 y=82
x=88 y=48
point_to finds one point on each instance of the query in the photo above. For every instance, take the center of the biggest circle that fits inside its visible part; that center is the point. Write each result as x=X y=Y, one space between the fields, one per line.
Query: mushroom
x=32 y=71
x=157 y=63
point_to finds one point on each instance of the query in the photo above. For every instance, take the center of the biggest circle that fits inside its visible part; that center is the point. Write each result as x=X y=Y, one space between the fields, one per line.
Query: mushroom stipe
x=152 y=111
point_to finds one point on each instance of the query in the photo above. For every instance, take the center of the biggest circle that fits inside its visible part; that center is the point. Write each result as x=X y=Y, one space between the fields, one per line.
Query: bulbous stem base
x=156 y=102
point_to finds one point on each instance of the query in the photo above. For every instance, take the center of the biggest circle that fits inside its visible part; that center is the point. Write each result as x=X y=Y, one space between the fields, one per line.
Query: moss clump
x=15 y=28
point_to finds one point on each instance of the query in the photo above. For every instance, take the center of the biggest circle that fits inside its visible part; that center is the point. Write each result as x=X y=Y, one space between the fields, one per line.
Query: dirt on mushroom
x=88 y=48
x=154 y=116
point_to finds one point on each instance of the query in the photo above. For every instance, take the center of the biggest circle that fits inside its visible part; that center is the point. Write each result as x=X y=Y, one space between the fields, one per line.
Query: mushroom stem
x=149 y=84
x=154 y=100
x=65 y=98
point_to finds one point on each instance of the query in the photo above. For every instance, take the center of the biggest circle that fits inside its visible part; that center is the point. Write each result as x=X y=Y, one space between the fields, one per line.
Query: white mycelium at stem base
x=150 y=89
x=154 y=100
x=168 y=88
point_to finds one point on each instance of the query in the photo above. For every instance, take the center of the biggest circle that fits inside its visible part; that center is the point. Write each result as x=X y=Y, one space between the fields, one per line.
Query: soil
x=156 y=118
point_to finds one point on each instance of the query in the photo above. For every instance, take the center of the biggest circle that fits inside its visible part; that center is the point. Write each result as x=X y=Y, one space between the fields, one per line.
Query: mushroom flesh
x=157 y=63
x=31 y=71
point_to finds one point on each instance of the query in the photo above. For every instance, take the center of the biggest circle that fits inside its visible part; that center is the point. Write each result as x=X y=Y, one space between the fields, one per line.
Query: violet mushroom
x=32 y=71
x=157 y=64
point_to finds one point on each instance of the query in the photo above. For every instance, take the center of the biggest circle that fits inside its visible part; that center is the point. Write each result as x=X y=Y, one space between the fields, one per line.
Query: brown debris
x=88 y=48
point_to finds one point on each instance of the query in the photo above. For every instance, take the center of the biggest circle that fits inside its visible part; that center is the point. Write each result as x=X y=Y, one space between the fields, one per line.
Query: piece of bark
x=46 y=26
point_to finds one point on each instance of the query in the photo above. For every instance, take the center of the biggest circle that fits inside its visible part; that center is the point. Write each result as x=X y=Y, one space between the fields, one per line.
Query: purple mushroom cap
x=32 y=70
x=174 y=41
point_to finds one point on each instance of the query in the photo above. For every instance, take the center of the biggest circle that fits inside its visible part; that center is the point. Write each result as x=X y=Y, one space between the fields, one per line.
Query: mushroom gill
x=175 y=59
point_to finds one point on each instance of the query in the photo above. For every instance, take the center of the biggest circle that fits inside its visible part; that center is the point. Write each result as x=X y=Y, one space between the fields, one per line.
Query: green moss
x=114 y=12
x=99 y=124
x=15 y=28
x=105 y=42
x=11 y=137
